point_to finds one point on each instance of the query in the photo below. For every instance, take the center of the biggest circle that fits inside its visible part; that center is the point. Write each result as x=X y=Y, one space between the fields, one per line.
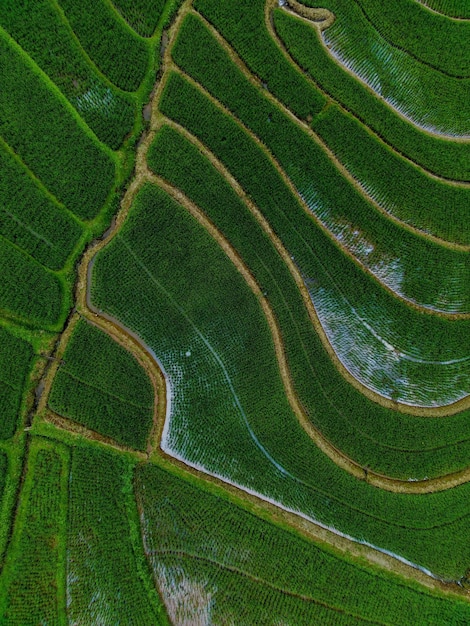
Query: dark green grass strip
x=104 y=569
x=15 y=362
x=432 y=276
x=41 y=129
x=409 y=25
x=103 y=387
x=27 y=290
x=167 y=280
x=32 y=592
x=120 y=53
x=32 y=220
x=245 y=567
x=399 y=186
x=43 y=33
x=440 y=156
x=381 y=439
x=242 y=24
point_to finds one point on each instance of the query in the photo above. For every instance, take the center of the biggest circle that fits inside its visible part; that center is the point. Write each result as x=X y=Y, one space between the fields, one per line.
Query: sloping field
x=234 y=312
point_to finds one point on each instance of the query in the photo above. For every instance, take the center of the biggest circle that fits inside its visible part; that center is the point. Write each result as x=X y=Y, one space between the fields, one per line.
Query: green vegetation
x=40 y=127
x=239 y=289
x=101 y=386
x=420 y=271
x=450 y=8
x=242 y=23
x=199 y=316
x=440 y=156
x=423 y=95
x=112 y=45
x=44 y=34
x=15 y=363
x=398 y=341
x=105 y=570
x=33 y=220
x=410 y=26
x=381 y=439
x=32 y=582
x=214 y=560
x=398 y=185
x=142 y=15
x=28 y=291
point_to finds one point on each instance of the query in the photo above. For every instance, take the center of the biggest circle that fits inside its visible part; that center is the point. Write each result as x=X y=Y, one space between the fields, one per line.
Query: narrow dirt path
x=263 y=507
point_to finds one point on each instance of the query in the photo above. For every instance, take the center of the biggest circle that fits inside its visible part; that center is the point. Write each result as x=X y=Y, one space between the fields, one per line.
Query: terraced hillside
x=234 y=312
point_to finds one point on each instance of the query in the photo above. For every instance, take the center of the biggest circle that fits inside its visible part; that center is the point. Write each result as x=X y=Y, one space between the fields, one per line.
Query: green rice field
x=234 y=312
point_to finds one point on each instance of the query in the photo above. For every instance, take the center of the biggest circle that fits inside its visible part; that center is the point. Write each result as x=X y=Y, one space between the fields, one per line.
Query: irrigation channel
x=255 y=502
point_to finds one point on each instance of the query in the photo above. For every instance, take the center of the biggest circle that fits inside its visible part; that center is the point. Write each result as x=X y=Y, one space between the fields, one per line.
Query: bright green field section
x=33 y=579
x=243 y=25
x=103 y=387
x=425 y=96
x=106 y=573
x=15 y=362
x=387 y=441
x=410 y=26
x=459 y=9
x=414 y=268
x=118 y=52
x=28 y=292
x=439 y=155
x=228 y=411
x=31 y=219
x=142 y=15
x=212 y=560
x=396 y=184
x=43 y=32
x=40 y=127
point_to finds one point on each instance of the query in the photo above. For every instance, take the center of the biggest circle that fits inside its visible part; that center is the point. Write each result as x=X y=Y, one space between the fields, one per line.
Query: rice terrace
x=235 y=312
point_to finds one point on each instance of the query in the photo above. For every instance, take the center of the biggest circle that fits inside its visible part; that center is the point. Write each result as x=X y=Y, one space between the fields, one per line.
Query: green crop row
x=256 y=573
x=43 y=33
x=31 y=219
x=439 y=155
x=103 y=387
x=425 y=96
x=31 y=587
x=28 y=290
x=362 y=429
x=15 y=363
x=41 y=129
x=242 y=23
x=450 y=8
x=167 y=280
x=123 y=56
x=412 y=27
x=400 y=187
x=414 y=268
x=104 y=579
x=142 y=15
